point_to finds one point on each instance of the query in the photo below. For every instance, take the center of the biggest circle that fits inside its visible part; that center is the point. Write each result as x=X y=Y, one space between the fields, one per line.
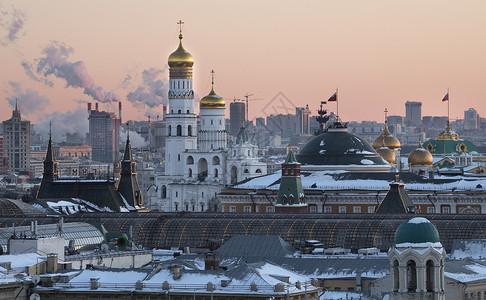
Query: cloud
x=136 y=140
x=152 y=93
x=11 y=25
x=29 y=102
x=30 y=73
x=56 y=62
x=71 y=121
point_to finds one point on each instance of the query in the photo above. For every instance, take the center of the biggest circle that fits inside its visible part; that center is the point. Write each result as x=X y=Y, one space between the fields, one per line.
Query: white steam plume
x=56 y=62
x=152 y=93
x=11 y=25
x=28 y=101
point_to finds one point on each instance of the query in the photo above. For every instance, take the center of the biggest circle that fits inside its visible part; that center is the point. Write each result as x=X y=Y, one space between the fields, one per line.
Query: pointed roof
x=49 y=152
x=127 y=155
x=290 y=157
x=396 y=200
x=242 y=136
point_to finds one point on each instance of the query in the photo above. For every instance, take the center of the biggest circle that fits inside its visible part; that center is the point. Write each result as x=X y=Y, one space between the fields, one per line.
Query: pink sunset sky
x=378 y=53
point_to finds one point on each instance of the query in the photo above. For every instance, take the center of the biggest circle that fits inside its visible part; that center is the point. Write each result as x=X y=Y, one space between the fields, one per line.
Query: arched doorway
x=202 y=167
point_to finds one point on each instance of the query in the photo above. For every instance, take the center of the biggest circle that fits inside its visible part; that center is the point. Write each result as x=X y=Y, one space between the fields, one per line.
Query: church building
x=198 y=160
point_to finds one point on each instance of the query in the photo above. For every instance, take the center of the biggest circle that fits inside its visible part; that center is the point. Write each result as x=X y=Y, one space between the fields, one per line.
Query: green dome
x=416 y=230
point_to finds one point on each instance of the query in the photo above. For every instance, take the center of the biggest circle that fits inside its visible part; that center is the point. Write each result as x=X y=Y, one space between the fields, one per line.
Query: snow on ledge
x=418 y=220
x=419 y=245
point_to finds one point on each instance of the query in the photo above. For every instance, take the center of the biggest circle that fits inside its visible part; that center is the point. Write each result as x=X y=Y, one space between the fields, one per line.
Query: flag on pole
x=333 y=97
x=446 y=97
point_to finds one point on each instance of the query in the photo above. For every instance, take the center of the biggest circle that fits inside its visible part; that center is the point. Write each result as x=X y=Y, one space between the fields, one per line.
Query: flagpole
x=448 y=104
x=337 y=104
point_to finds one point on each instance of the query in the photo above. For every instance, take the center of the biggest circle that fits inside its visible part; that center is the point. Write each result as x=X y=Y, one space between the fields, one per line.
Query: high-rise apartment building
x=471 y=119
x=104 y=135
x=16 y=142
x=302 y=115
x=237 y=117
x=413 y=113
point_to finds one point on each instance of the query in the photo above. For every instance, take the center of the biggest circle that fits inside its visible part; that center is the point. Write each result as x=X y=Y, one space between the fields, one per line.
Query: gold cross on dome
x=180 y=23
x=212 y=77
x=386 y=112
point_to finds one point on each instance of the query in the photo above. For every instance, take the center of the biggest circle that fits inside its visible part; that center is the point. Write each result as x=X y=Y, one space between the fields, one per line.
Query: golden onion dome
x=181 y=58
x=212 y=100
x=390 y=141
x=387 y=154
x=420 y=157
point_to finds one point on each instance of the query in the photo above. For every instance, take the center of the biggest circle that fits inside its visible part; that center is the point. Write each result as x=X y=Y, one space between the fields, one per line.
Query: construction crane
x=247 y=98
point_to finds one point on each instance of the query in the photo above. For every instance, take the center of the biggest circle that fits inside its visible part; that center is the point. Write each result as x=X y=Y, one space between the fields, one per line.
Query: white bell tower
x=181 y=119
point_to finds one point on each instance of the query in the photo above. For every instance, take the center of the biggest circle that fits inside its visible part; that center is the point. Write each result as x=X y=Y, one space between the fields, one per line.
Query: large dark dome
x=339 y=147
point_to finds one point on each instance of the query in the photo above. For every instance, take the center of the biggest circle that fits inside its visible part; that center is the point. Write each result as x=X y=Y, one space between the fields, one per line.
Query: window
x=313 y=209
x=178 y=157
x=179 y=130
x=232 y=208
x=430 y=210
x=247 y=208
x=169 y=130
x=446 y=210
x=371 y=209
x=216 y=173
x=202 y=206
x=187 y=207
x=342 y=209
x=211 y=122
x=357 y=209
x=187 y=111
x=193 y=207
x=190 y=172
x=270 y=209
x=179 y=111
x=328 y=209
x=177 y=194
x=189 y=130
x=176 y=206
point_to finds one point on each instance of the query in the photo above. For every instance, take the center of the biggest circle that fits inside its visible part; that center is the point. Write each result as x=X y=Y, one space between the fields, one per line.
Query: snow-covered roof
x=342 y=180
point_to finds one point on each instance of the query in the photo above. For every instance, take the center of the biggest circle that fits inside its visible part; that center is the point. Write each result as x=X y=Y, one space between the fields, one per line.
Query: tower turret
x=128 y=185
x=212 y=134
x=291 y=198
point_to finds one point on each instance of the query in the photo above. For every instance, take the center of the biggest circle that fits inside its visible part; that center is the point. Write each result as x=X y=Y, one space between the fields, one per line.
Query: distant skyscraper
x=104 y=135
x=260 y=122
x=237 y=117
x=471 y=119
x=302 y=120
x=16 y=135
x=413 y=113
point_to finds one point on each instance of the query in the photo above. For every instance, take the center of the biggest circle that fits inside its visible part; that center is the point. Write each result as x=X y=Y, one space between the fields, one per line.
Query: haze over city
x=56 y=56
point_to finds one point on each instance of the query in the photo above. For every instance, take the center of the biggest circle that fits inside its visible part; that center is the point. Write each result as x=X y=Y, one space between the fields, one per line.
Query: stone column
x=402 y=286
x=437 y=279
x=421 y=279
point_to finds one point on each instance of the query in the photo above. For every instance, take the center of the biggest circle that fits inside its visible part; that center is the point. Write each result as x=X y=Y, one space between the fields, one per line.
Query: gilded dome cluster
x=181 y=58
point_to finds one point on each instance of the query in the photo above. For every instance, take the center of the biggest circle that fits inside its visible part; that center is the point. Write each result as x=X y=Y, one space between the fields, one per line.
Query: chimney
x=52 y=263
x=119 y=112
x=96 y=106
x=211 y=261
x=89 y=107
x=176 y=272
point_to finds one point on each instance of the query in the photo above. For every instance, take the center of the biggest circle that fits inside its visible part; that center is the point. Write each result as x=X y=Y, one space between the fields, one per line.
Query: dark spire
x=128 y=184
x=396 y=200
